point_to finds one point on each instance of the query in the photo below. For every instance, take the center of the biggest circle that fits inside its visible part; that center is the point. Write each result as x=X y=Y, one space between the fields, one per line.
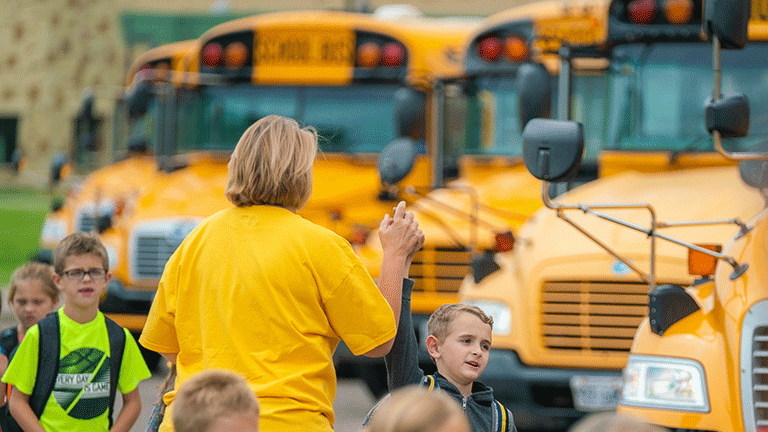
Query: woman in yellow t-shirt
x=261 y=291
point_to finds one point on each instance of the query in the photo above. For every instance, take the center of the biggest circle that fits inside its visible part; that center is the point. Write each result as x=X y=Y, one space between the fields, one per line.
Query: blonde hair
x=209 y=396
x=416 y=409
x=76 y=244
x=440 y=320
x=612 y=422
x=34 y=271
x=272 y=164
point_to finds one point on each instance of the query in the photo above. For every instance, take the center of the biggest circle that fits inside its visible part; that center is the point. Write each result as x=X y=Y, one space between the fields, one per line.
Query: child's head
x=612 y=422
x=459 y=341
x=416 y=409
x=272 y=164
x=81 y=268
x=32 y=294
x=216 y=401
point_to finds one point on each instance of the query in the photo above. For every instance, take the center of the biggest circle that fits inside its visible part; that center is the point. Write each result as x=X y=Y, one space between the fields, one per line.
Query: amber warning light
x=701 y=264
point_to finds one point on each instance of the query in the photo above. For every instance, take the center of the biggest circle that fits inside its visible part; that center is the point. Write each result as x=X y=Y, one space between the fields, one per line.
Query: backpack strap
x=9 y=340
x=116 y=348
x=47 y=362
x=500 y=418
x=429 y=381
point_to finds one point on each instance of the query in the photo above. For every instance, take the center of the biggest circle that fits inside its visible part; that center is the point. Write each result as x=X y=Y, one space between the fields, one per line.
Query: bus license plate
x=596 y=393
x=303 y=48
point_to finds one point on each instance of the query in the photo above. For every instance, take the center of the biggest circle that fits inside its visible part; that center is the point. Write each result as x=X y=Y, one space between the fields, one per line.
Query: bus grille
x=440 y=270
x=151 y=253
x=760 y=375
x=592 y=316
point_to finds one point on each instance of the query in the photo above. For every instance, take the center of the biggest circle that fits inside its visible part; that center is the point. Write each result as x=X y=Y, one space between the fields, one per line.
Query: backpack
x=500 y=418
x=48 y=366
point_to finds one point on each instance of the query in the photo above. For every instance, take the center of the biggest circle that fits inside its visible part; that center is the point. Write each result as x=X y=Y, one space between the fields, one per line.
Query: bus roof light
x=212 y=54
x=235 y=55
x=392 y=54
x=642 y=11
x=516 y=48
x=678 y=11
x=368 y=55
x=701 y=264
x=489 y=49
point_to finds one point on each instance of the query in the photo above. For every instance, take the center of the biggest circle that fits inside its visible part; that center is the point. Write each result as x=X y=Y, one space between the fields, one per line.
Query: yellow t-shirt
x=263 y=292
x=80 y=398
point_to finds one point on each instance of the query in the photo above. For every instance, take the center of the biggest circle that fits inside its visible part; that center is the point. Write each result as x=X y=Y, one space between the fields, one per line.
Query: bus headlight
x=53 y=230
x=502 y=316
x=665 y=383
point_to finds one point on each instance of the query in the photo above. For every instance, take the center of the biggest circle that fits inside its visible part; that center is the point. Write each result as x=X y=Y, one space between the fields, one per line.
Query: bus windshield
x=492 y=117
x=350 y=119
x=658 y=92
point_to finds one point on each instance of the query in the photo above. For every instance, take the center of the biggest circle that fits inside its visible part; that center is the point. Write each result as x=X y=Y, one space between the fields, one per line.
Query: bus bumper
x=539 y=398
x=121 y=301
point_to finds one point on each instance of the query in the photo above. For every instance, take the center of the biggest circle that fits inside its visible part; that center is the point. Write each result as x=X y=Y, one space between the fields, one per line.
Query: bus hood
x=693 y=195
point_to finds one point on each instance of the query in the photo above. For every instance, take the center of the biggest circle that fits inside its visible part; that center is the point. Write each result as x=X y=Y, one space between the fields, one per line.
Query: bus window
x=214 y=118
x=351 y=119
x=496 y=128
x=588 y=107
x=649 y=116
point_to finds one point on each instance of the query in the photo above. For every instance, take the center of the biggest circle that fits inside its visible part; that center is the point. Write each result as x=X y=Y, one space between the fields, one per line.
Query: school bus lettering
x=577 y=31
x=296 y=49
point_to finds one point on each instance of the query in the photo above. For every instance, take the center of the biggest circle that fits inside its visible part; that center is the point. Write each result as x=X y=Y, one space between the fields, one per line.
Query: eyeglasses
x=95 y=274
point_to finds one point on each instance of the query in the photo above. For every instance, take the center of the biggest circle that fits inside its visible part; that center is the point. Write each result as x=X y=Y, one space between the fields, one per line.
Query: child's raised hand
x=400 y=234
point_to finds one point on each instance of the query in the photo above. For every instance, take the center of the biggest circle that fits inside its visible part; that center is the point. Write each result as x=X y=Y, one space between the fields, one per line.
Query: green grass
x=22 y=214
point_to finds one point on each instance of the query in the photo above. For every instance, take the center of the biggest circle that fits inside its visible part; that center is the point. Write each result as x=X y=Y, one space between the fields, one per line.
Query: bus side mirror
x=727 y=19
x=410 y=112
x=728 y=115
x=534 y=87
x=139 y=98
x=552 y=149
x=86 y=125
x=396 y=160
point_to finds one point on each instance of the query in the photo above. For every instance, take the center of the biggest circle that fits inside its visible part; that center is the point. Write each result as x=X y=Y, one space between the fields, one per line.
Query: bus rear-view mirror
x=139 y=99
x=410 y=112
x=552 y=149
x=534 y=87
x=727 y=19
x=728 y=115
x=396 y=160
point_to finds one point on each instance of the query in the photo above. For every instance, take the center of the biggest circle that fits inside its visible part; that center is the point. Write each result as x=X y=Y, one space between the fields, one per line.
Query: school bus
x=485 y=194
x=362 y=80
x=568 y=299
x=699 y=361
x=107 y=191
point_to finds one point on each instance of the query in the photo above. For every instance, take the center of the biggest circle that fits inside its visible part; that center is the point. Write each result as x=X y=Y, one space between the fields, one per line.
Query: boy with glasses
x=72 y=385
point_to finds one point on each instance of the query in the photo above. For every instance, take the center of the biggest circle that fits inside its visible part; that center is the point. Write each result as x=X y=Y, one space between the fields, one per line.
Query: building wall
x=52 y=50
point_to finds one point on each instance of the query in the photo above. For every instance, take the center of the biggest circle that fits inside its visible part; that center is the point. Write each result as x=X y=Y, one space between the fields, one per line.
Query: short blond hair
x=34 y=271
x=613 y=422
x=440 y=320
x=211 y=395
x=76 y=244
x=416 y=409
x=272 y=164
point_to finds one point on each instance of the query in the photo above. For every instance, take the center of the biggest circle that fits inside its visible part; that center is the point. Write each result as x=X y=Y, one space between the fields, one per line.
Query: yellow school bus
x=484 y=193
x=568 y=299
x=362 y=80
x=109 y=190
x=699 y=360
